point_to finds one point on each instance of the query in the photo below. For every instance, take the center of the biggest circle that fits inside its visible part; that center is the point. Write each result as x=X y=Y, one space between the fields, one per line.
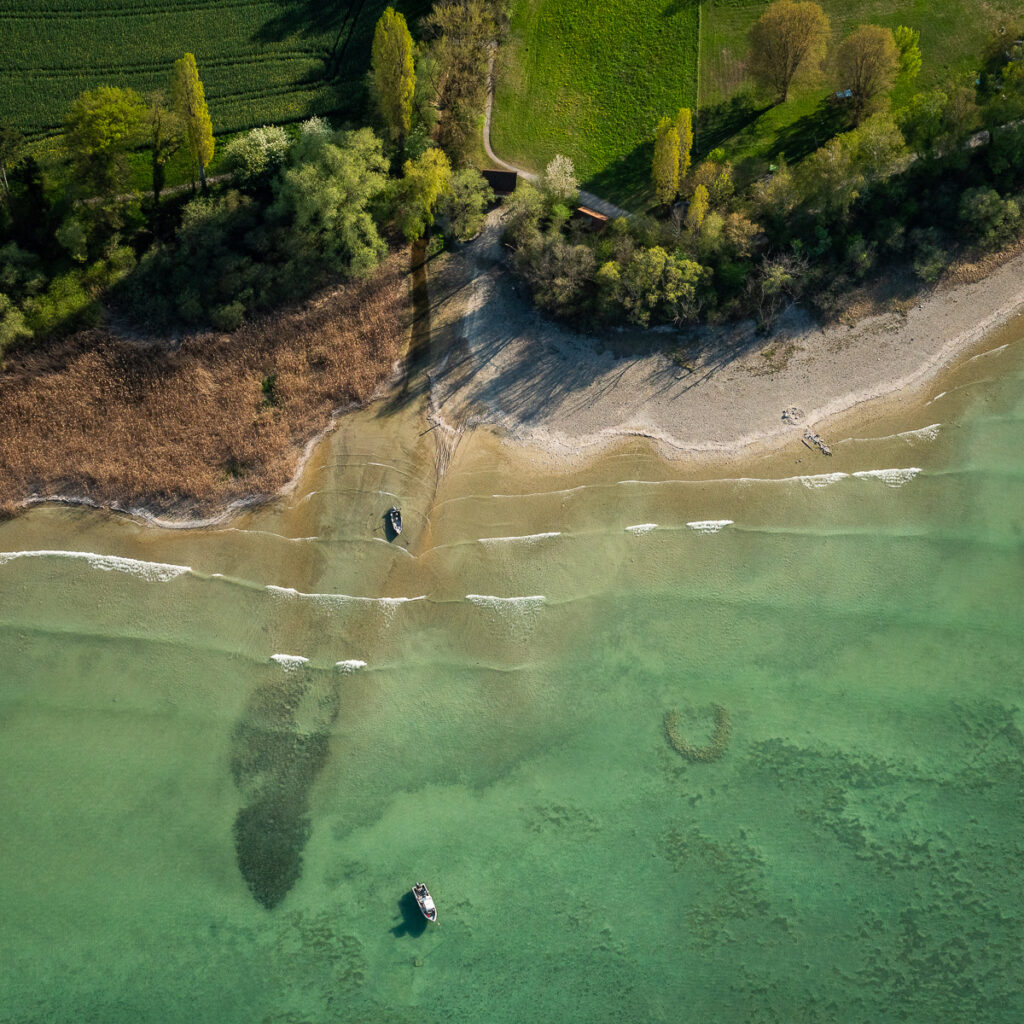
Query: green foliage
x=867 y=62
x=465 y=202
x=394 y=74
x=655 y=282
x=988 y=218
x=908 y=43
x=255 y=157
x=426 y=181
x=789 y=39
x=589 y=80
x=12 y=325
x=698 y=209
x=684 y=129
x=665 y=169
x=189 y=100
x=102 y=125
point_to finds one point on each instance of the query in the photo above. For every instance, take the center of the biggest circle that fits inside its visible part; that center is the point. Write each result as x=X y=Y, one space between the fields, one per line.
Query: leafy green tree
x=868 y=62
x=102 y=126
x=255 y=157
x=425 y=181
x=465 y=202
x=684 y=128
x=394 y=73
x=462 y=33
x=12 y=325
x=12 y=145
x=326 y=195
x=656 y=283
x=787 y=40
x=922 y=120
x=698 y=209
x=908 y=45
x=665 y=166
x=166 y=136
x=988 y=218
x=189 y=100
x=522 y=213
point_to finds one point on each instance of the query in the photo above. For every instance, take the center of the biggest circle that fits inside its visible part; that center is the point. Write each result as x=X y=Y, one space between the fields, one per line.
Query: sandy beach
x=706 y=394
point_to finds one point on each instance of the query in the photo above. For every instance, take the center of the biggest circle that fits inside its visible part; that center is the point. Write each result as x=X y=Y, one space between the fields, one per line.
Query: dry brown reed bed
x=187 y=430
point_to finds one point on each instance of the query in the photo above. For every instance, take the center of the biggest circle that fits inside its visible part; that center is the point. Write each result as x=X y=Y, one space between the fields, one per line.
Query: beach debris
x=793 y=416
x=813 y=440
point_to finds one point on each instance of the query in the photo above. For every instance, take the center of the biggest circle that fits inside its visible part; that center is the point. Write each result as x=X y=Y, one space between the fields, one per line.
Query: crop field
x=591 y=80
x=261 y=61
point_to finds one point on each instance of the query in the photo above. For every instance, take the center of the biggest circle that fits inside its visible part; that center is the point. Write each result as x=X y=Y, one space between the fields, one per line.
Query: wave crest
x=151 y=572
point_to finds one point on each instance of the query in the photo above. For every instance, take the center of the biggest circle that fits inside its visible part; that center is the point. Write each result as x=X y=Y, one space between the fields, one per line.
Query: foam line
x=289 y=662
x=528 y=538
x=152 y=572
x=349 y=666
x=889 y=477
x=341 y=599
x=710 y=525
x=490 y=601
x=641 y=528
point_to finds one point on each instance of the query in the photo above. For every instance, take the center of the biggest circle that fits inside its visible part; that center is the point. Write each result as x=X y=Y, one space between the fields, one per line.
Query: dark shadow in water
x=279 y=747
x=413 y=923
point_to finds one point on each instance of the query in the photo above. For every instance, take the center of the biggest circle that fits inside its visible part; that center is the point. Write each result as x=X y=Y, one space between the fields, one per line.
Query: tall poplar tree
x=684 y=128
x=665 y=168
x=190 y=103
x=394 y=74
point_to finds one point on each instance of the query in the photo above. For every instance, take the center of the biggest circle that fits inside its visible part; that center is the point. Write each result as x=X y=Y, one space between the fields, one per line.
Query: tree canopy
x=789 y=38
x=868 y=62
x=190 y=103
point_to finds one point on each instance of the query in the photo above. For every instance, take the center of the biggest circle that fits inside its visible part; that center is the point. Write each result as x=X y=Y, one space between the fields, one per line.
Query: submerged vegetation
x=713 y=750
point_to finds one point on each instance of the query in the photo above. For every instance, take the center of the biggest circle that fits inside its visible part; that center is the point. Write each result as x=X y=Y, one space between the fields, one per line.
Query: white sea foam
x=152 y=572
x=498 y=603
x=528 y=538
x=710 y=525
x=641 y=528
x=342 y=599
x=819 y=480
x=941 y=394
x=289 y=662
x=929 y=433
x=889 y=477
x=349 y=666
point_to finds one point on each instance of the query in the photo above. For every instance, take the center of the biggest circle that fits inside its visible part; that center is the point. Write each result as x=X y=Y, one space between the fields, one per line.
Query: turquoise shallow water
x=197 y=830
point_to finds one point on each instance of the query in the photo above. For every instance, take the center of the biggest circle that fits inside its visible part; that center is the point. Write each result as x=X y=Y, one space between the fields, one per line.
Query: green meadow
x=262 y=62
x=591 y=81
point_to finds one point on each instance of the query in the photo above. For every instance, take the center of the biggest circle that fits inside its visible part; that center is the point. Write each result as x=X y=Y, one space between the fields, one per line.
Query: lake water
x=663 y=748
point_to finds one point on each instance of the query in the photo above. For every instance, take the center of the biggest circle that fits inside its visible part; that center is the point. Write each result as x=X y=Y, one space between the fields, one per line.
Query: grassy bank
x=217 y=418
x=262 y=63
x=591 y=81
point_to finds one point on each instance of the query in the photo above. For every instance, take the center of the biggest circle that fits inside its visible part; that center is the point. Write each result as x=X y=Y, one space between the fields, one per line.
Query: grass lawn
x=261 y=61
x=953 y=36
x=591 y=80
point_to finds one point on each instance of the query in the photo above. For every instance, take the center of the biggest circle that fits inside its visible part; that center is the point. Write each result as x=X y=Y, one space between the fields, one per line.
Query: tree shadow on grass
x=810 y=132
x=718 y=123
x=625 y=182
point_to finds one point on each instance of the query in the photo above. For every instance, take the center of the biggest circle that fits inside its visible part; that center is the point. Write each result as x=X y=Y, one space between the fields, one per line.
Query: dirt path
x=587 y=199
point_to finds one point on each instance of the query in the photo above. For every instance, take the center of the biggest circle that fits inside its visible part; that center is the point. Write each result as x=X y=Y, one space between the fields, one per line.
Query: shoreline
x=491 y=352
x=539 y=385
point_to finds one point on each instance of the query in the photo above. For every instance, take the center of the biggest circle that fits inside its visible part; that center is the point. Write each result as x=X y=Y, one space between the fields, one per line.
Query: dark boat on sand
x=424 y=901
x=394 y=517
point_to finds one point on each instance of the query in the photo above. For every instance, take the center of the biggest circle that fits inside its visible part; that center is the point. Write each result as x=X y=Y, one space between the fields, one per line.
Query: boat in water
x=425 y=902
x=394 y=517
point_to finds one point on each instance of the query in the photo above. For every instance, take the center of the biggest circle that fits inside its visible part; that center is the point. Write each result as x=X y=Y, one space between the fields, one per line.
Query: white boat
x=425 y=902
x=395 y=520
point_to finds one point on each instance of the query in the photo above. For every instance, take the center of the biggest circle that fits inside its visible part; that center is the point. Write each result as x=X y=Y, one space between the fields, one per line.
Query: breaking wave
x=152 y=572
x=641 y=528
x=337 y=600
x=289 y=662
x=349 y=666
x=820 y=480
x=496 y=603
x=710 y=525
x=528 y=538
x=889 y=477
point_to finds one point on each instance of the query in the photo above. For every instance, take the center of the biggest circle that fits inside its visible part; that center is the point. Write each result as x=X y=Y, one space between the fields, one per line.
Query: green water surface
x=194 y=831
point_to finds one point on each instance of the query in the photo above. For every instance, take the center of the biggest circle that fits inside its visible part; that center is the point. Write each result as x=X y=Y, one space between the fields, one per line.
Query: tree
x=988 y=218
x=426 y=180
x=190 y=103
x=12 y=145
x=166 y=135
x=698 y=209
x=665 y=167
x=684 y=128
x=788 y=39
x=560 y=179
x=463 y=31
x=908 y=45
x=394 y=74
x=465 y=203
x=102 y=125
x=255 y=157
x=868 y=62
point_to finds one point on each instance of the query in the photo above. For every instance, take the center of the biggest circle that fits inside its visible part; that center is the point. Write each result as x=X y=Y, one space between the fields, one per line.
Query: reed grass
x=187 y=429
